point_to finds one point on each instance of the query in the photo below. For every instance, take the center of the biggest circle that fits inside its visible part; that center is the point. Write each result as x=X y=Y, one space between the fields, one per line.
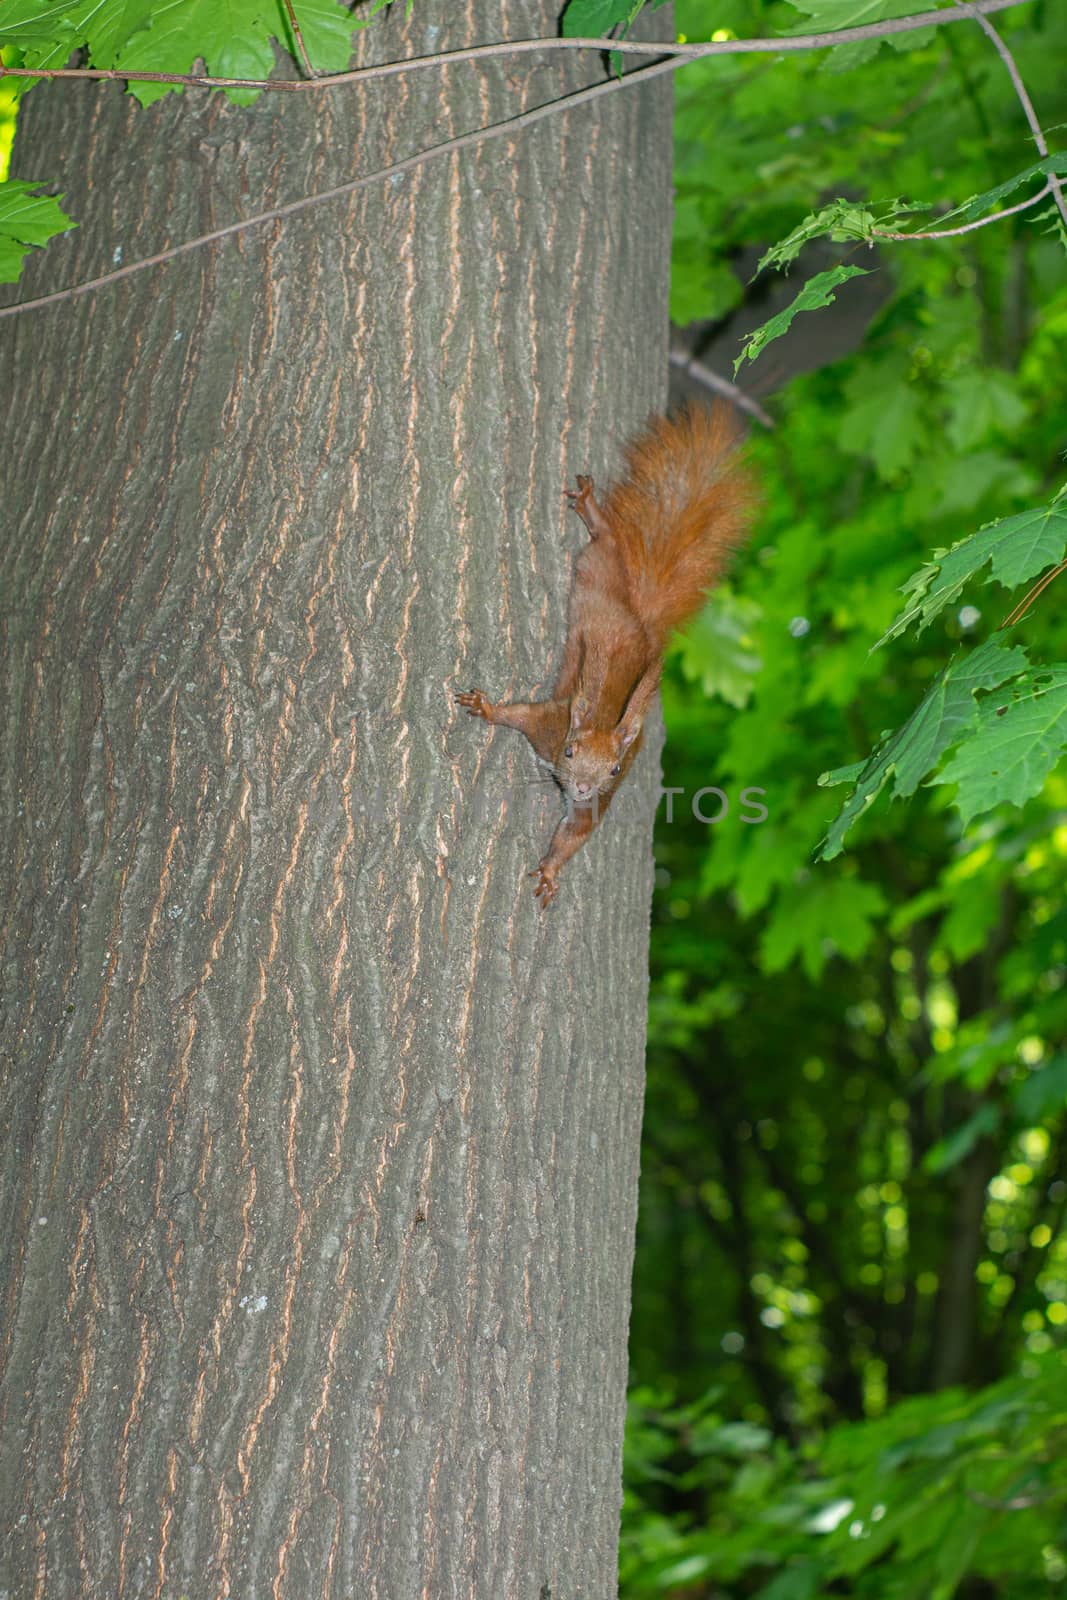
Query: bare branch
x=1024 y=98
x=461 y=142
x=719 y=385
x=680 y=54
x=966 y=227
x=672 y=56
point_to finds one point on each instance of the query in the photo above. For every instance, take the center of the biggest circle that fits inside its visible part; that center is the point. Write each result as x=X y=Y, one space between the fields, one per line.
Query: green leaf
x=1042 y=1093
x=1018 y=548
x=819 y=918
x=950 y=1151
x=938 y=722
x=982 y=403
x=31 y=22
x=1018 y=738
x=594 y=19
x=978 y=204
x=27 y=221
x=888 y=426
x=818 y=291
x=835 y=14
x=840 y=220
x=717 y=649
x=327 y=30
x=233 y=38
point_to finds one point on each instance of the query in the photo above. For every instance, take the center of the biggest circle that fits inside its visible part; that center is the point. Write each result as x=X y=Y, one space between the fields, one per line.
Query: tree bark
x=320 y=1141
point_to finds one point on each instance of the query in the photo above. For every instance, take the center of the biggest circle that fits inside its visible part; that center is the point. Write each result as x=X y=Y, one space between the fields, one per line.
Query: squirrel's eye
x=617 y=768
x=569 y=751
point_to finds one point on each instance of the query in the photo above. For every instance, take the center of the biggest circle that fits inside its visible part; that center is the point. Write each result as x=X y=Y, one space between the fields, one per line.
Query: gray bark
x=320 y=1142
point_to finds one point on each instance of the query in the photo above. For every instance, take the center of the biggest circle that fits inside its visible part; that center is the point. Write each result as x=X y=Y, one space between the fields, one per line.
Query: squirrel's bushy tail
x=683 y=504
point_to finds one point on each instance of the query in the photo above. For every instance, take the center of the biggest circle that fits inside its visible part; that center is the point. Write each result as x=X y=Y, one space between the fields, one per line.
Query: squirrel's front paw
x=476 y=704
x=545 y=886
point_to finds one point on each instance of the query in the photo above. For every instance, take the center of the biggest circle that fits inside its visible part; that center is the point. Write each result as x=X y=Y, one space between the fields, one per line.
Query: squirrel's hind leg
x=584 y=501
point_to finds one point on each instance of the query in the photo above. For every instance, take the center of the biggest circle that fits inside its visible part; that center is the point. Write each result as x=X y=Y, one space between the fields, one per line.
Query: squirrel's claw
x=476 y=704
x=545 y=887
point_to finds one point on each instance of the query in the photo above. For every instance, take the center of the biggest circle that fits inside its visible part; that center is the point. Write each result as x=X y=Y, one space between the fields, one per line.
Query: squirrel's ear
x=579 y=712
x=627 y=729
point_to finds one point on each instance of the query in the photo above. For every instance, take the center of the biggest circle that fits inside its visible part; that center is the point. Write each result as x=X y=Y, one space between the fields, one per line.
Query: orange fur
x=681 y=508
x=657 y=544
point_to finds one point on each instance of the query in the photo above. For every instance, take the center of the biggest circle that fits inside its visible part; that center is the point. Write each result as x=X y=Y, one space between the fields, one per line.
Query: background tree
x=320 y=1164
x=851 y=1282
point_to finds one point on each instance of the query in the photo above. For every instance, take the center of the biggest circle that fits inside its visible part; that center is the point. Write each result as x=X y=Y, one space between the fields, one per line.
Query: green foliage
x=27 y=221
x=597 y=19
x=717 y=651
x=853 y=1205
x=944 y=1487
x=1016 y=548
x=594 y=19
x=233 y=40
x=818 y=291
x=1007 y=743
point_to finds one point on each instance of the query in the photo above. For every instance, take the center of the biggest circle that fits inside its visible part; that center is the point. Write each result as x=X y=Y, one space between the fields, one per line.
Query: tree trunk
x=321 y=1141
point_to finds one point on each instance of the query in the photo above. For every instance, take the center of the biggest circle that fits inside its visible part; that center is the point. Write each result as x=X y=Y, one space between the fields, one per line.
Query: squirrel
x=657 y=541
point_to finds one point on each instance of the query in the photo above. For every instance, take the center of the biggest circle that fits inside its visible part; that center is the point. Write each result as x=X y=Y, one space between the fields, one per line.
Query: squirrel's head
x=592 y=758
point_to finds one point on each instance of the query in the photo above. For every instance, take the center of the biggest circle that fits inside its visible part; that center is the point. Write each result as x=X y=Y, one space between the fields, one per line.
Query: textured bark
x=320 y=1141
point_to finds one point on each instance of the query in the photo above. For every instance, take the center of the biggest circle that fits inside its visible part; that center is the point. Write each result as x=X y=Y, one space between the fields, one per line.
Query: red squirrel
x=657 y=542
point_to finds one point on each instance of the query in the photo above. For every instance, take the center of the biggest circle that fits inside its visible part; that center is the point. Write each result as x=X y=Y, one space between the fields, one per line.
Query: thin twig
x=715 y=381
x=1024 y=98
x=671 y=58
x=1018 y=1502
x=462 y=141
x=299 y=37
x=1019 y=611
x=788 y=44
x=967 y=227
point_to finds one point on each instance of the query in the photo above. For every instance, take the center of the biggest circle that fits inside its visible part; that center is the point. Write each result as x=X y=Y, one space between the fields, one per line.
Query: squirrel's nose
x=582 y=788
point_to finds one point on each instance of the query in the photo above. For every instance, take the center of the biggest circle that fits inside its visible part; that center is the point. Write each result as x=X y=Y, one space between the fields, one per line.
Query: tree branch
x=1024 y=98
x=299 y=38
x=672 y=56
x=967 y=227
x=462 y=141
x=680 y=54
x=719 y=385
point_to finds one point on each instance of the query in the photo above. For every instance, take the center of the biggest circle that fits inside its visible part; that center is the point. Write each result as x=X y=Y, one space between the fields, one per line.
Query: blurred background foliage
x=850 y=1299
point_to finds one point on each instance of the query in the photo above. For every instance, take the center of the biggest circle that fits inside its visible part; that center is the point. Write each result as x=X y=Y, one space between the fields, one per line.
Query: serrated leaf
x=594 y=19
x=717 y=649
x=819 y=918
x=982 y=403
x=29 y=21
x=101 y=27
x=818 y=291
x=841 y=220
x=832 y=15
x=835 y=14
x=1017 y=740
x=888 y=426
x=27 y=221
x=231 y=37
x=1018 y=547
x=941 y=718
x=327 y=30
x=978 y=204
